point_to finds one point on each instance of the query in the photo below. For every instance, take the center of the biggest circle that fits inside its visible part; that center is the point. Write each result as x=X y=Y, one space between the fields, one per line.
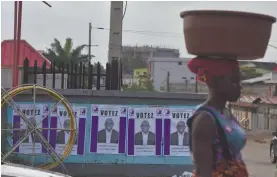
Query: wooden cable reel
x=33 y=130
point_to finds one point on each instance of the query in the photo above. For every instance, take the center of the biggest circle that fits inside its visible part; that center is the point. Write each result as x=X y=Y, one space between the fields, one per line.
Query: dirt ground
x=256 y=155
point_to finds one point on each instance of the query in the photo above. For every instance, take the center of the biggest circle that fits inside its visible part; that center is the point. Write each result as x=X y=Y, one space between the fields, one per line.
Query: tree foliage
x=66 y=53
x=143 y=84
x=129 y=64
x=249 y=72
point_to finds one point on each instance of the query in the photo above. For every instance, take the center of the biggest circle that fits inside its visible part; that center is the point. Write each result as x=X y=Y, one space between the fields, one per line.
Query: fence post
x=62 y=76
x=44 y=72
x=53 y=74
x=90 y=75
x=25 y=71
x=120 y=77
x=114 y=75
x=35 y=71
x=108 y=76
x=98 y=76
x=84 y=76
x=75 y=75
x=68 y=76
x=80 y=75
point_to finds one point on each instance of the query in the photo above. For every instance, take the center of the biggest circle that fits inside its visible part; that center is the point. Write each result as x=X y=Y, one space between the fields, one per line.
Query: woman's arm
x=203 y=134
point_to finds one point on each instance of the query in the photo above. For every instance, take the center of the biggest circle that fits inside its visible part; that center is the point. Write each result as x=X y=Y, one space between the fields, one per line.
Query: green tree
x=143 y=84
x=249 y=72
x=129 y=64
x=64 y=54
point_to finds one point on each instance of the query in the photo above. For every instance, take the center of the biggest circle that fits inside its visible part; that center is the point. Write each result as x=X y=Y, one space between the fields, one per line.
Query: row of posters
x=113 y=129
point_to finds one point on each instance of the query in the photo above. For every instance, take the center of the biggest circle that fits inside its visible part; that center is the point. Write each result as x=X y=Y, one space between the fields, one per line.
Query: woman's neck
x=216 y=102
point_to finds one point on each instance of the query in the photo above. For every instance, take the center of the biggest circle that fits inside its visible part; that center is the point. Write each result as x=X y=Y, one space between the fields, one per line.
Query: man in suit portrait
x=145 y=137
x=108 y=134
x=180 y=137
x=34 y=137
x=63 y=135
x=19 y=133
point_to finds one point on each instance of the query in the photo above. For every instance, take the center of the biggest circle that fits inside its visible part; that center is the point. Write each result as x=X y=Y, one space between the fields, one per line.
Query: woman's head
x=221 y=76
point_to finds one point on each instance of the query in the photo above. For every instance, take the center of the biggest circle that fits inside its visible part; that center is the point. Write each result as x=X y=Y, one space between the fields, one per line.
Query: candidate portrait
x=64 y=134
x=108 y=134
x=145 y=136
x=180 y=137
x=32 y=137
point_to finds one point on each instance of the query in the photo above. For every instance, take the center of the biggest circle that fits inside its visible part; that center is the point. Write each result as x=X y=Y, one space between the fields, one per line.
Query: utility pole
x=115 y=38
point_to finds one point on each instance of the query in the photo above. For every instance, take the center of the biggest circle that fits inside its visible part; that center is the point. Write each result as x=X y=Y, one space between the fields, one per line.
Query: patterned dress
x=234 y=140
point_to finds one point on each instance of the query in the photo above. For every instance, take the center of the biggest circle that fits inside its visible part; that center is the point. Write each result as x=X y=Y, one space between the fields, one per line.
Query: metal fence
x=262 y=121
x=74 y=75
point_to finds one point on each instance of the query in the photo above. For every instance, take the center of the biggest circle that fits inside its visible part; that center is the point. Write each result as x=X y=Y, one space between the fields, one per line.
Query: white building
x=179 y=74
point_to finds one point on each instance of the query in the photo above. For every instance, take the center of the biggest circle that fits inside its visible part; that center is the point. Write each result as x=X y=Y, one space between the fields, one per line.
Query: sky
x=41 y=24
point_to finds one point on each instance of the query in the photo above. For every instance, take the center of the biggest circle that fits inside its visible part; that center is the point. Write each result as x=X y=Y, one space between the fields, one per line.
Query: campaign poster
x=176 y=135
x=60 y=129
x=145 y=131
x=108 y=129
x=37 y=116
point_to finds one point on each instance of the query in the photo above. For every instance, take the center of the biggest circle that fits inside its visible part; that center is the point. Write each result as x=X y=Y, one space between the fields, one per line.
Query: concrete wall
x=177 y=68
x=106 y=167
x=7 y=78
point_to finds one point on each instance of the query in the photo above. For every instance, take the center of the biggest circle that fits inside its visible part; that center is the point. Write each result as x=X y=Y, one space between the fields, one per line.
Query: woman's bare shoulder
x=203 y=122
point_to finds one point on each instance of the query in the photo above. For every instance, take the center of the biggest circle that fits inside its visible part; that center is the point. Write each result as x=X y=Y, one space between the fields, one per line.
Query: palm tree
x=58 y=54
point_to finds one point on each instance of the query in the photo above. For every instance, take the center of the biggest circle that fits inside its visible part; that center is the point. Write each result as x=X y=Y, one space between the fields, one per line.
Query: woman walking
x=216 y=138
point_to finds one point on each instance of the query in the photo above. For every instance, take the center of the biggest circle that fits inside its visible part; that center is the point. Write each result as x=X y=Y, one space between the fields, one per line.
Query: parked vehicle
x=273 y=148
x=16 y=170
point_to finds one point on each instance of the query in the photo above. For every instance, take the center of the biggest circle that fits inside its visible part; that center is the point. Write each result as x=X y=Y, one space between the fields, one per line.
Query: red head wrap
x=207 y=68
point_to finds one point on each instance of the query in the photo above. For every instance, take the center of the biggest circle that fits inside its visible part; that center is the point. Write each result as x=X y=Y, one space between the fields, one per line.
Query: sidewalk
x=259 y=136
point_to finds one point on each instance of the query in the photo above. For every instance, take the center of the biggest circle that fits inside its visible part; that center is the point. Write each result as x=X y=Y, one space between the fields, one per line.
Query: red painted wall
x=26 y=50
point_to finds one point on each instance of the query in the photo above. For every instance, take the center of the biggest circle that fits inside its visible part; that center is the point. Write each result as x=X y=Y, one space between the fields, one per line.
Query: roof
x=258 y=99
x=263 y=78
x=270 y=66
x=26 y=50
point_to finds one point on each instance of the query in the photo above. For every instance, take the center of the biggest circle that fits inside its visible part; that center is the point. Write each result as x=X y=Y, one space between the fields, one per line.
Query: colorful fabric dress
x=227 y=146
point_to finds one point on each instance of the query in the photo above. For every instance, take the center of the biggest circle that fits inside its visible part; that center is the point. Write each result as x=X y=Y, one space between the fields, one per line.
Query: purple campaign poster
x=145 y=131
x=60 y=133
x=176 y=137
x=108 y=129
x=38 y=117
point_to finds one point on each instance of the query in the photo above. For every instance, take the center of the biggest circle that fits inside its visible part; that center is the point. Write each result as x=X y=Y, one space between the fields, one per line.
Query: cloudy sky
x=40 y=24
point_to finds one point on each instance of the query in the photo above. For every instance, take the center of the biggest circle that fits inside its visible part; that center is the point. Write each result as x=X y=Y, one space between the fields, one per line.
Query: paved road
x=256 y=157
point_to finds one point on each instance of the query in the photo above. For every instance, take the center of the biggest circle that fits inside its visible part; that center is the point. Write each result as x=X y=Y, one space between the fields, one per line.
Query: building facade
x=146 y=52
x=167 y=72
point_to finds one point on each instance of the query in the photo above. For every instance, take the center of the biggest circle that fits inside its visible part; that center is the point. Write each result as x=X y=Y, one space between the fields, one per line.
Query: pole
x=89 y=42
x=18 y=37
x=14 y=46
x=167 y=82
x=186 y=85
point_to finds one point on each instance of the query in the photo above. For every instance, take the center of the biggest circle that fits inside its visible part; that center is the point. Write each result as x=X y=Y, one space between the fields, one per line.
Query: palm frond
x=68 y=47
x=57 y=48
x=77 y=52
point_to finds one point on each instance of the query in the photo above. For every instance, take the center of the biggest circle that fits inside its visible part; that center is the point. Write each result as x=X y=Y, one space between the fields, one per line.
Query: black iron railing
x=74 y=75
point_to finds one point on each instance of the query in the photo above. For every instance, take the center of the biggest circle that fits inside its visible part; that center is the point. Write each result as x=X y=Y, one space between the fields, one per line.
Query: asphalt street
x=256 y=156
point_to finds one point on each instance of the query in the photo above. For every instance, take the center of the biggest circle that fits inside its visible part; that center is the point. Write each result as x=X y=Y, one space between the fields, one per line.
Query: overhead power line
x=153 y=33
x=159 y=33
